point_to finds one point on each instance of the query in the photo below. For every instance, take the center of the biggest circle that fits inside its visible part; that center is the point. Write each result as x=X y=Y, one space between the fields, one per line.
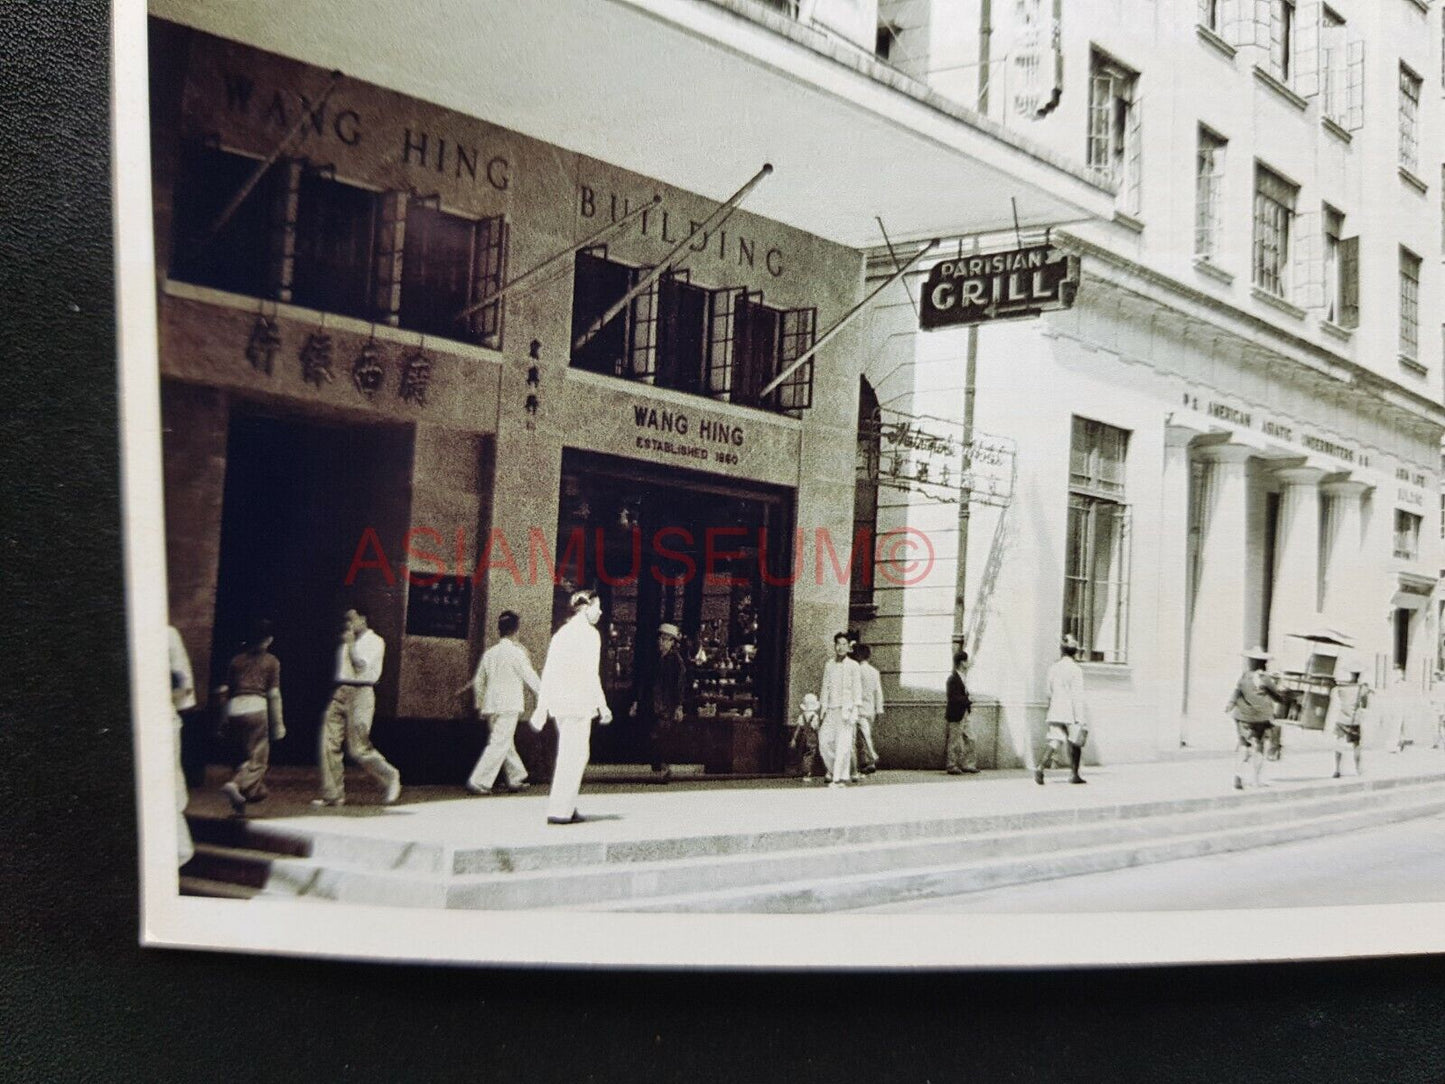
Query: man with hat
x=571 y=692
x=1253 y=706
x=662 y=703
x=1068 y=714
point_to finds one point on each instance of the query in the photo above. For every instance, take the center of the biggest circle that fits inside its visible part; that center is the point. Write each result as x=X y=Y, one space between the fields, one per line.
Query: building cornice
x=1159 y=289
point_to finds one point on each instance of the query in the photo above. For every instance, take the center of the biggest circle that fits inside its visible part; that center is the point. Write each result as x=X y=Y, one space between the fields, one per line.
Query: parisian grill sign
x=980 y=287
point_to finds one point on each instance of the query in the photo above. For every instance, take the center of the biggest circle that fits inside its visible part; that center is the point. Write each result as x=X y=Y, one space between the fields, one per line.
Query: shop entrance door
x=299 y=498
x=688 y=549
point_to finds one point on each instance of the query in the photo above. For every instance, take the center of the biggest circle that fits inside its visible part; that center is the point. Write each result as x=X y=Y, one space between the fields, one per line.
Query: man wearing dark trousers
x=960 y=755
x=660 y=701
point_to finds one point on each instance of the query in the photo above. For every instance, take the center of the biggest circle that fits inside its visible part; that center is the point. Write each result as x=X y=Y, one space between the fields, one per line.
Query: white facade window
x=1407 y=535
x=1096 y=560
x=1274 y=209
x=1208 y=194
x=1115 y=137
x=1282 y=40
x=1334 y=69
x=1342 y=272
x=1211 y=15
x=1409 y=304
x=1410 y=85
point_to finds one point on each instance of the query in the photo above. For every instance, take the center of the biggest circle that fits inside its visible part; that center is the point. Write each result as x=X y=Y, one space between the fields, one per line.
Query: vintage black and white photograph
x=786 y=483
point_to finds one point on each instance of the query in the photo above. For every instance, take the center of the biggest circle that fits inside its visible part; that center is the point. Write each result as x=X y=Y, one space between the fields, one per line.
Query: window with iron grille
x=448 y=264
x=865 y=492
x=1097 y=547
x=1407 y=535
x=1115 y=147
x=1208 y=194
x=1274 y=208
x=1410 y=85
x=1409 y=304
x=240 y=256
x=337 y=227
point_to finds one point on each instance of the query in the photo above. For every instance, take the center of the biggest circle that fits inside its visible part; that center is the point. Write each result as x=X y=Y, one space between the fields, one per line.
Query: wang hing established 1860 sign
x=998 y=286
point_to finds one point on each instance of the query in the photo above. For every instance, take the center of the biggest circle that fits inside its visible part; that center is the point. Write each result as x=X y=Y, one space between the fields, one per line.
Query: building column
x=1344 y=558
x=1172 y=636
x=1295 y=601
x=1217 y=626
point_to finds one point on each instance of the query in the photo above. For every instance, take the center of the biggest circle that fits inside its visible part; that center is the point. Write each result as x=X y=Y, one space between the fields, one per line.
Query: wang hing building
x=1233 y=435
x=481 y=302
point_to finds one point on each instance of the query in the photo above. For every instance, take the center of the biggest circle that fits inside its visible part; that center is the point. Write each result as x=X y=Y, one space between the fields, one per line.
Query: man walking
x=872 y=710
x=660 y=700
x=497 y=691
x=1068 y=715
x=571 y=692
x=1253 y=705
x=348 y=717
x=960 y=756
x=842 y=698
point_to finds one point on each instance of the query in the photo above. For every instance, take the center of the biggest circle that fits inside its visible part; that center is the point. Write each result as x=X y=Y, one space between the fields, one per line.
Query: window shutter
x=799 y=329
x=1134 y=157
x=390 y=246
x=1309 y=261
x=722 y=340
x=1355 y=106
x=1307 y=30
x=642 y=339
x=1350 y=282
x=492 y=240
x=1101 y=98
x=749 y=359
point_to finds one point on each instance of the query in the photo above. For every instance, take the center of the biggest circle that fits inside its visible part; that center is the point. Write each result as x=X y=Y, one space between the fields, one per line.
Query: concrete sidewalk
x=638 y=810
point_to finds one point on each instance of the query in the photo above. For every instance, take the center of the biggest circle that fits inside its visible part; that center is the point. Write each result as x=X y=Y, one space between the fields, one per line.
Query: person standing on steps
x=1068 y=714
x=872 y=710
x=571 y=692
x=1252 y=704
x=348 y=718
x=960 y=756
x=841 y=698
x=498 y=693
x=250 y=708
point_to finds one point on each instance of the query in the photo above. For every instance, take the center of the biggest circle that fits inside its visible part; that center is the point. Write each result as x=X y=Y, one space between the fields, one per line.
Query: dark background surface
x=80 y=1000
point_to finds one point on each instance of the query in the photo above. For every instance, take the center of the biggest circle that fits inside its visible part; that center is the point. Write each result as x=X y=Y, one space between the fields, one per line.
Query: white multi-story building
x=1232 y=436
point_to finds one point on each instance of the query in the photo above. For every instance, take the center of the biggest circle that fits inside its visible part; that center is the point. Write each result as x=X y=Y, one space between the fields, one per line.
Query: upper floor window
x=1211 y=15
x=1274 y=209
x=1342 y=272
x=1282 y=40
x=302 y=236
x=1410 y=85
x=1208 y=194
x=867 y=467
x=720 y=342
x=1409 y=305
x=1097 y=547
x=1115 y=136
x=449 y=263
x=1407 y=535
x=240 y=257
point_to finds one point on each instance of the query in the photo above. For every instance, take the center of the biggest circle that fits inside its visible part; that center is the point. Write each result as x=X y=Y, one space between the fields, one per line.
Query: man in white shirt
x=1068 y=715
x=348 y=717
x=571 y=692
x=872 y=710
x=497 y=688
x=841 y=698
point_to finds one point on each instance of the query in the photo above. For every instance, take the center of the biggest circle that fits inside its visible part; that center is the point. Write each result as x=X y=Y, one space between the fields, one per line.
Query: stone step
x=855 y=893
x=602 y=875
x=240 y=866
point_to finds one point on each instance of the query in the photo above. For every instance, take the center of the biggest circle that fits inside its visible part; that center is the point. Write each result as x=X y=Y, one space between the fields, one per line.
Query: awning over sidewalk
x=696 y=93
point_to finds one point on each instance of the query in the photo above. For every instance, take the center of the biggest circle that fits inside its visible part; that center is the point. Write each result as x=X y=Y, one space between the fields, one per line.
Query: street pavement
x=1395 y=863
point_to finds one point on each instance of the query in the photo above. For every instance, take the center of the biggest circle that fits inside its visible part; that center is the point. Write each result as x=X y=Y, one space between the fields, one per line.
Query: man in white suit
x=572 y=694
x=502 y=674
x=842 y=699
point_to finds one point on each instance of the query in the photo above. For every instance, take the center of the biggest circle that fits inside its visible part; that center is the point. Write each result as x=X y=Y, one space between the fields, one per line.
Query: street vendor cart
x=1307 y=690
